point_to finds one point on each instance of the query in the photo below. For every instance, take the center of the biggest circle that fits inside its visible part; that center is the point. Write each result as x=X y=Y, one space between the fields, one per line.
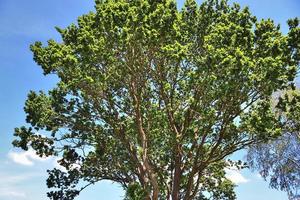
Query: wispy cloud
x=9 y=185
x=25 y=157
x=12 y=179
x=235 y=176
x=12 y=193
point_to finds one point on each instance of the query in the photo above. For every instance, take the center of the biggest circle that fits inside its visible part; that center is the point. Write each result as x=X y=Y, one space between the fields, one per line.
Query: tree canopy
x=278 y=161
x=156 y=98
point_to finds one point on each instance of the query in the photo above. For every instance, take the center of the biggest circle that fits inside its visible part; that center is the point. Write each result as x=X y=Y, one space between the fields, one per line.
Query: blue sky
x=22 y=174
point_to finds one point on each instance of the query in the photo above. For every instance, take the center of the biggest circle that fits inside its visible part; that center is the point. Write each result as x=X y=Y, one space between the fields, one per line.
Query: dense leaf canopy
x=155 y=98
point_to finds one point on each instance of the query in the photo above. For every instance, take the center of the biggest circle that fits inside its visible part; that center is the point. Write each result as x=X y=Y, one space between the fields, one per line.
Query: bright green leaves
x=142 y=83
x=136 y=20
x=261 y=122
x=52 y=57
x=40 y=112
x=267 y=38
x=273 y=69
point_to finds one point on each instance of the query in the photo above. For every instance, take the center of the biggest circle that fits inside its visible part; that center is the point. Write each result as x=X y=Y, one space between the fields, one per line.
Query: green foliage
x=155 y=99
x=277 y=160
x=135 y=192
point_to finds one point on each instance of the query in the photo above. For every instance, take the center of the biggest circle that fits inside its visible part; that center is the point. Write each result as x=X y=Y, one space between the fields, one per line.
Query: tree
x=155 y=99
x=279 y=160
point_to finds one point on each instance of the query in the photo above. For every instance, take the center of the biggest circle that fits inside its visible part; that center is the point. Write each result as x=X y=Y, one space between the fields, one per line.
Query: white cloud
x=235 y=176
x=25 y=158
x=9 y=185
